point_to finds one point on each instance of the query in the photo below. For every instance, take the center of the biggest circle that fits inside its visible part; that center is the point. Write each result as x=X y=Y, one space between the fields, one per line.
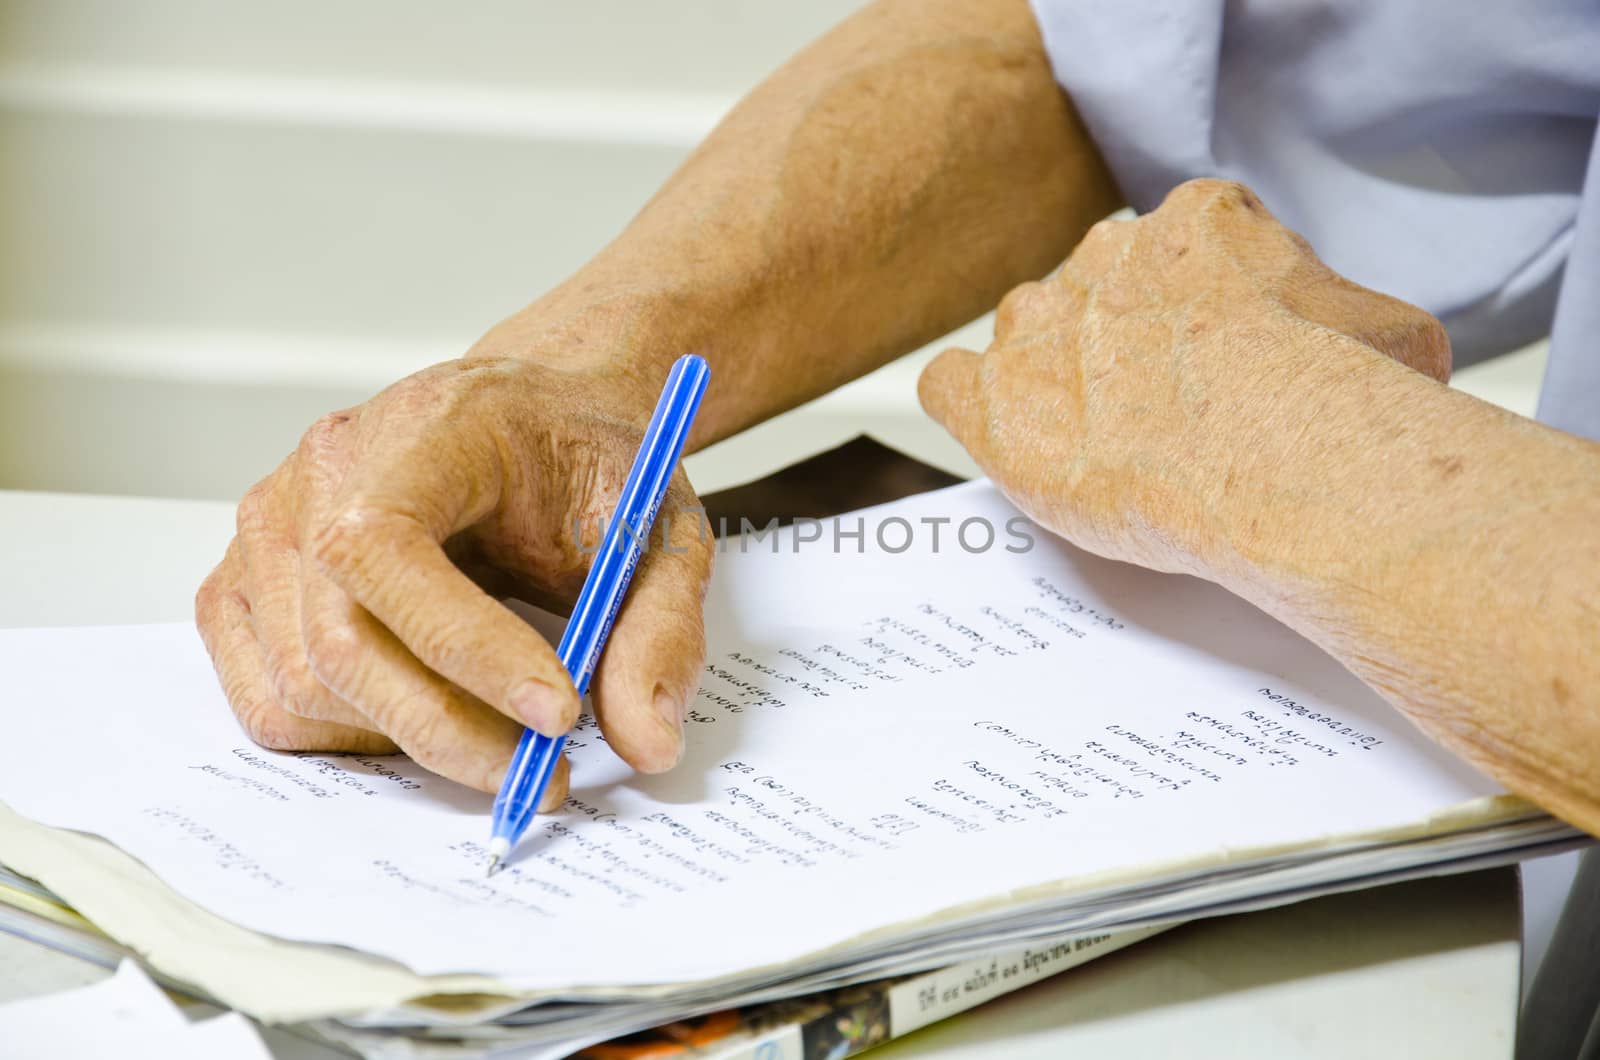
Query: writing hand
x=356 y=608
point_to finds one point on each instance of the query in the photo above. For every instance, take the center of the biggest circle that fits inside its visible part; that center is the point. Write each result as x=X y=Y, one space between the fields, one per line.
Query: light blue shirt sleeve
x=1445 y=153
x=1440 y=153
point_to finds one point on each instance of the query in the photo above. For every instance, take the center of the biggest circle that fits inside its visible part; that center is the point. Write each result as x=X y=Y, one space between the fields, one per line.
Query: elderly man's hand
x=1121 y=395
x=351 y=611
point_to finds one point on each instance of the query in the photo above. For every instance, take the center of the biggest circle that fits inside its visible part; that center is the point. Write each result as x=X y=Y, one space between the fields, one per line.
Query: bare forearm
x=1443 y=549
x=885 y=186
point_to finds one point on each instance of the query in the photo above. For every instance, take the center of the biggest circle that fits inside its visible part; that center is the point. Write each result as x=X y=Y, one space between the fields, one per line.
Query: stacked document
x=833 y=1023
x=928 y=732
x=125 y=1015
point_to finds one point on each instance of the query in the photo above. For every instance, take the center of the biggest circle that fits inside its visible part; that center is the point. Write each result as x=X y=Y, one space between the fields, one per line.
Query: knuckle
x=1106 y=230
x=333 y=653
x=289 y=679
x=208 y=600
x=1013 y=307
x=337 y=539
x=1213 y=194
x=1097 y=258
x=1212 y=189
x=252 y=508
x=323 y=436
x=441 y=394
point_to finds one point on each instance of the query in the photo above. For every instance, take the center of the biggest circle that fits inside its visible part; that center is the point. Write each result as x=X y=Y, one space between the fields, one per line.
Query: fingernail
x=671 y=715
x=540 y=706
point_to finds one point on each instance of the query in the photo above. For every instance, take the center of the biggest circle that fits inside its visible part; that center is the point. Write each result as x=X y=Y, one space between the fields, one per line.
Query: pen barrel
x=628 y=532
x=518 y=800
x=626 y=537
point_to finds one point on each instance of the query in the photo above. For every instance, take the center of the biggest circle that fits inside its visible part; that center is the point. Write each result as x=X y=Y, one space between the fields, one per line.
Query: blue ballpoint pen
x=585 y=636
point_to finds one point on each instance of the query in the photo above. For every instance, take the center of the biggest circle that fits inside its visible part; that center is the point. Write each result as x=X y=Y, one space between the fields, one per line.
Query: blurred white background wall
x=220 y=220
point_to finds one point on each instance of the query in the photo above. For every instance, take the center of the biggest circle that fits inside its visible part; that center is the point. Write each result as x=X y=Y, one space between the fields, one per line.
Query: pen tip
x=499 y=849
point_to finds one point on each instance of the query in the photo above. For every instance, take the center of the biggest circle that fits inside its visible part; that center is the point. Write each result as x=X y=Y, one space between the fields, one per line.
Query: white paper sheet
x=124 y=1015
x=881 y=736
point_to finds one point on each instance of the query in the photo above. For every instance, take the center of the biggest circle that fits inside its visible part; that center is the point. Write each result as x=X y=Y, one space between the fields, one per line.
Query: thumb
x=951 y=391
x=651 y=667
x=1394 y=328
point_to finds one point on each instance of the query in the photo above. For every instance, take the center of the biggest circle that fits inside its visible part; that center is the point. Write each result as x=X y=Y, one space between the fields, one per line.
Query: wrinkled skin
x=350 y=613
x=791 y=249
x=1194 y=392
x=1118 y=394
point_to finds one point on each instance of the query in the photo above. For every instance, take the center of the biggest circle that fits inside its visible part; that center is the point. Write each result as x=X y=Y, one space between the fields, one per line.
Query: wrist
x=624 y=339
x=1294 y=488
x=589 y=328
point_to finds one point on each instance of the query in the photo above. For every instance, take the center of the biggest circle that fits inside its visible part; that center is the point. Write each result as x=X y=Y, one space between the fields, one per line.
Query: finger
x=380 y=540
x=1100 y=251
x=442 y=728
x=224 y=623
x=1025 y=309
x=1397 y=329
x=270 y=579
x=951 y=391
x=1233 y=214
x=651 y=668
x=391 y=565
x=556 y=792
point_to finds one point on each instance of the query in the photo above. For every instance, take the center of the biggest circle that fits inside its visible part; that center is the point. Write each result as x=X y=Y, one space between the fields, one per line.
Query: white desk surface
x=1425 y=969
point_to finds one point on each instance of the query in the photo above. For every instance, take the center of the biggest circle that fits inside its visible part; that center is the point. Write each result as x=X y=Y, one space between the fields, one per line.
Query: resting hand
x=351 y=613
x=1121 y=395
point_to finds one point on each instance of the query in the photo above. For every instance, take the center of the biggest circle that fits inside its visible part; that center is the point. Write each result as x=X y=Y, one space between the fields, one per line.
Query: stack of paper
x=927 y=731
x=125 y=1015
x=835 y=1022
